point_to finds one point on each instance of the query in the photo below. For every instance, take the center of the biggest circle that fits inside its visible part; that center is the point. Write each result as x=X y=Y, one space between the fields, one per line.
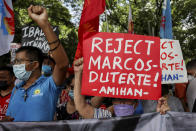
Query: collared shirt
x=40 y=101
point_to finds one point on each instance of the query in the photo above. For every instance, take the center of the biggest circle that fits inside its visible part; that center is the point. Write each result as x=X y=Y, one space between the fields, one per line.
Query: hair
x=7 y=68
x=33 y=53
x=69 y=79
x=191 y=65
x=165 y=89
x=50 y=58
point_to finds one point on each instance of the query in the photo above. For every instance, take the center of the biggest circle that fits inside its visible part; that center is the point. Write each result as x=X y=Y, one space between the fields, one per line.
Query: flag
x=89 y=21
x=130 y=21
x=166 y=21
x=6 y=25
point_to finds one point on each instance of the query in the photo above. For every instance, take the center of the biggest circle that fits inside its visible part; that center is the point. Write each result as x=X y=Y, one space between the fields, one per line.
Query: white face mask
x=21 y=73
x=190 y=77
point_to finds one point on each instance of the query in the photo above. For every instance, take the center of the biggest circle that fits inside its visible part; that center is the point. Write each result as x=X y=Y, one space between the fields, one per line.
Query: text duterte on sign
x=122 y=66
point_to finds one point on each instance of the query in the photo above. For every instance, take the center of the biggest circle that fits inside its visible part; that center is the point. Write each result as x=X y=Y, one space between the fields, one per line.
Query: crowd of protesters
x=43 y=88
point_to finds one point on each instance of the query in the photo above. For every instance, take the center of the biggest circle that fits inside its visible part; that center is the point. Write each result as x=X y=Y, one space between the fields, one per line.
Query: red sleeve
x=180 y=90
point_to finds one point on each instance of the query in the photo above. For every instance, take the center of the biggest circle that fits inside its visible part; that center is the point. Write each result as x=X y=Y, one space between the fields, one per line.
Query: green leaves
x=147 y=16
x=58 y=16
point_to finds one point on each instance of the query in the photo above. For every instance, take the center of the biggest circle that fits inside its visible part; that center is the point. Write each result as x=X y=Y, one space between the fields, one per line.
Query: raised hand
x=39 y=15
x=162 y=105
x=78 y=66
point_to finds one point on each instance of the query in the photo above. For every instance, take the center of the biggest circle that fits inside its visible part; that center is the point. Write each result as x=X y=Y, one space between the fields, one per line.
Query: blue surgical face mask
x=21 y=73
x=46 y=70
x=71 y=94
x=123 y=110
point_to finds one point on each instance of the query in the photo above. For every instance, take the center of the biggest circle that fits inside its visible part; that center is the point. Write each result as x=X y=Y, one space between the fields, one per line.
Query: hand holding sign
x=78 y=66
x=39 y=15
x=162 y=105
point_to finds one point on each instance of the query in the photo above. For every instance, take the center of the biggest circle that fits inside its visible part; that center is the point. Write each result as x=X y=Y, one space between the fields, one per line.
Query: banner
x=122 y=66
x=34 y=36
x=7 y=28
x=172 y=121
x=172 y=63
x=89 y=21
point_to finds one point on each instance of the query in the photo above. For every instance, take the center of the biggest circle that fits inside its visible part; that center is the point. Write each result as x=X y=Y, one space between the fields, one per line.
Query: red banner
x=122 y=66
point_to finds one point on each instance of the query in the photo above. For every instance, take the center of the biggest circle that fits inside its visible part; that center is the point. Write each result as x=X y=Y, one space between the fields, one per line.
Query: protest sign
x=34 y=36
x=13 y=48
x=172 y=63
x=122 y=66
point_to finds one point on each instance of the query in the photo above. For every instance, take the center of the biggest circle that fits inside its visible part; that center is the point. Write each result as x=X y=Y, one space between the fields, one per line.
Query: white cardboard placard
x=172 y=63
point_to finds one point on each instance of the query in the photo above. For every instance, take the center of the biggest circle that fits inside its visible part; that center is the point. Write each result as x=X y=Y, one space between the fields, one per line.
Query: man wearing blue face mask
x=120 y=107
x=35 y=98
x=48 y=66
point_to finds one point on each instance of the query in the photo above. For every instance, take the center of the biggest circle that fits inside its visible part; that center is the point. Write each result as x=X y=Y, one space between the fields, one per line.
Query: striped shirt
x=101 y=113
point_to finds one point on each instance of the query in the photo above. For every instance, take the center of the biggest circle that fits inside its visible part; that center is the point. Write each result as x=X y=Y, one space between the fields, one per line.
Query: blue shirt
x=40 y=103
x=139 y=108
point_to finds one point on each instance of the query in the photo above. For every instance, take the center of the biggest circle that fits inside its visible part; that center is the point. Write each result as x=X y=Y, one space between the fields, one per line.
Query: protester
x=6 y=85
x=191 y=86
x=35 y=98
x=180 y=92
x=191 y=94
x=173 y=102
x=120 y=107
x=66 y=107
x=181 y=88
x=48 y=66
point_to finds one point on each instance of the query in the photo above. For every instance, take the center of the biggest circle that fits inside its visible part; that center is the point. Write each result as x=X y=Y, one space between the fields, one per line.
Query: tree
x=146 y=16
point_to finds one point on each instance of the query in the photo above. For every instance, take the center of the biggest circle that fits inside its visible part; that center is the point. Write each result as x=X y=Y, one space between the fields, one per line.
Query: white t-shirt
x=101 y=113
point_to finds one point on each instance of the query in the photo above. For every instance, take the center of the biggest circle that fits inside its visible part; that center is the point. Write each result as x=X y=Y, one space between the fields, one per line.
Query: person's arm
x=186 y=109
x=40 y=16
x=96 y=101
x=70 y=107
x=84 y=109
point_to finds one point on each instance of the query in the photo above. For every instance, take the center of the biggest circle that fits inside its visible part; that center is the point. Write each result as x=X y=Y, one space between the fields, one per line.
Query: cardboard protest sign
x=172 y=63
x=122 y=66
x=13 y=48
x=34 y=36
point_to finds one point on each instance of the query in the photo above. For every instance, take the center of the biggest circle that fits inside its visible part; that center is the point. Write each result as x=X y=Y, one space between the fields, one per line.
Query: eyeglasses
x=20 y=61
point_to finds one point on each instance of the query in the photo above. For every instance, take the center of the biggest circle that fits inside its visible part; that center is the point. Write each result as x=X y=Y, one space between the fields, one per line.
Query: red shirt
x=4 y=101
x=64 y=97
x=180 y=90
